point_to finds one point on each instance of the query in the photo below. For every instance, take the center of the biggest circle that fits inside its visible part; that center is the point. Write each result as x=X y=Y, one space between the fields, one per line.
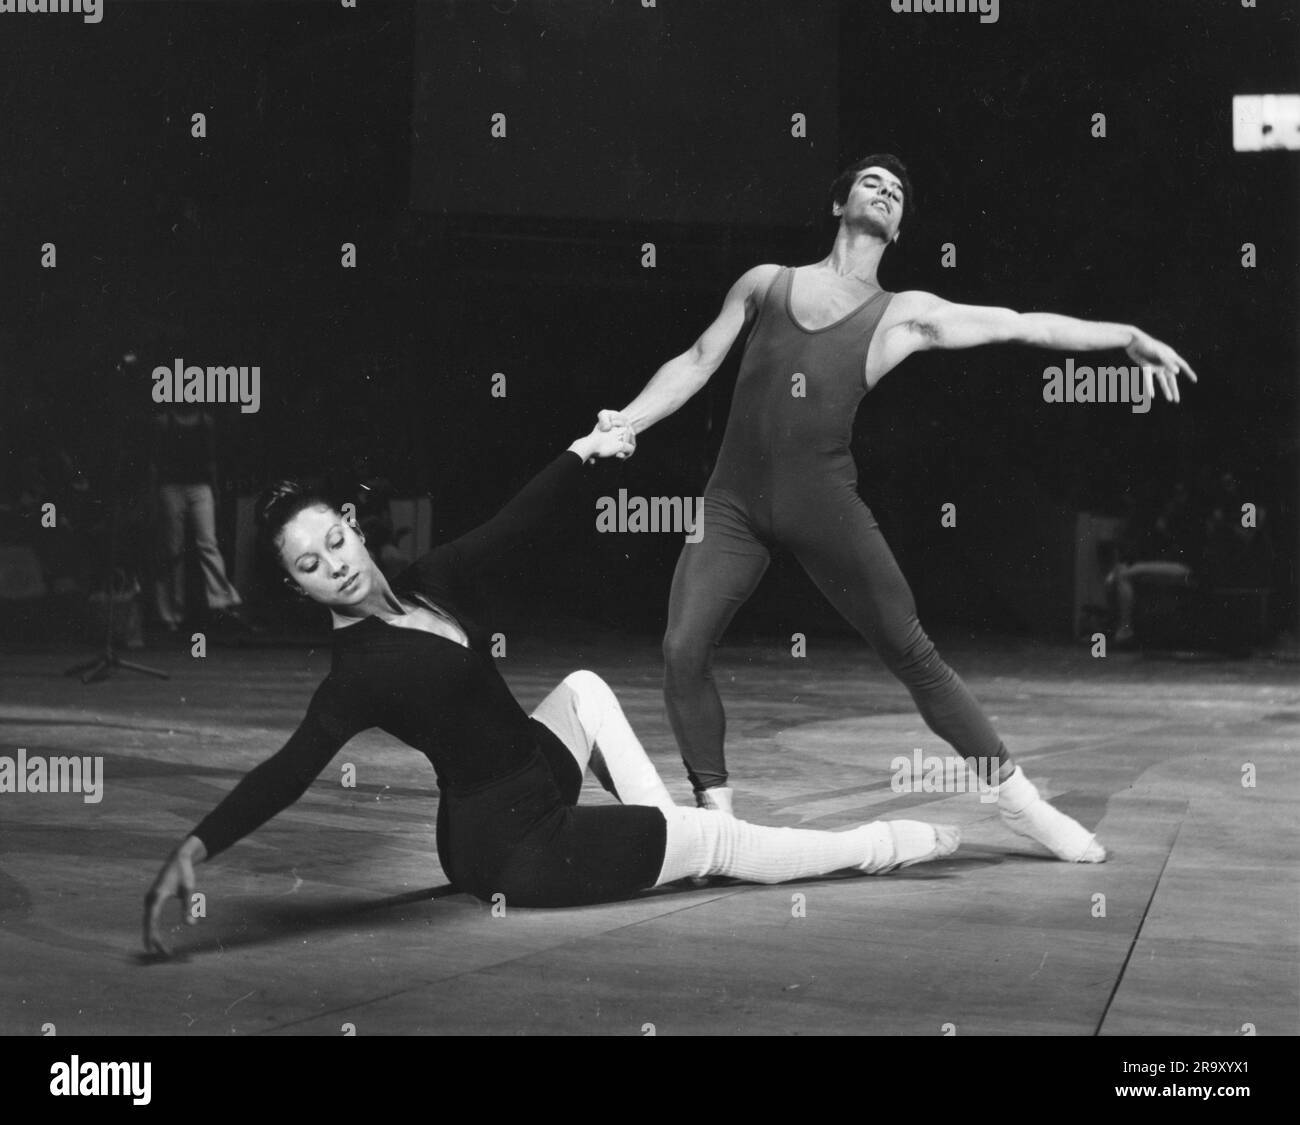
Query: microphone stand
x=108 y=661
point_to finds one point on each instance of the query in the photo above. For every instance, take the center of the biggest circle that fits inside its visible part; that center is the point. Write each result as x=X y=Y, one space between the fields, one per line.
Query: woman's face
x=327 y=557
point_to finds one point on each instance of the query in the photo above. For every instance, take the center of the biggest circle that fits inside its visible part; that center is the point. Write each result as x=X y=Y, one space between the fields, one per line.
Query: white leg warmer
x=705 y=842
x=585 y=713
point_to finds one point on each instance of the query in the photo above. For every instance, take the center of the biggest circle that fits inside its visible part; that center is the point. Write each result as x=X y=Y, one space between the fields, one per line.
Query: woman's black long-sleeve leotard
x=506 y=819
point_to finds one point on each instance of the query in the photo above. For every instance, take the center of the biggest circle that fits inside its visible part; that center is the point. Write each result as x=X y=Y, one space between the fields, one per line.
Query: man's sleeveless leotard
x=787 y=437
x=785 y=476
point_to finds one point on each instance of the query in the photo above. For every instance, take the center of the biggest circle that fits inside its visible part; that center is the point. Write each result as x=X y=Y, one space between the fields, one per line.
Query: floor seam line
x=1137 y=934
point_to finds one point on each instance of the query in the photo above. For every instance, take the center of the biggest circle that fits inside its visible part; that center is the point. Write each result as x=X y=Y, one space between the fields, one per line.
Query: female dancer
x=413 y=658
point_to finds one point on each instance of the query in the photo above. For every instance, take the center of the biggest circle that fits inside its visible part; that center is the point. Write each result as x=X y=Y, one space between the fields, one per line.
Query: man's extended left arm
x=921 y=321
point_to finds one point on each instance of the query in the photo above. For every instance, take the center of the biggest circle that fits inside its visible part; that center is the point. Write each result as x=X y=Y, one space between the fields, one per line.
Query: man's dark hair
x=276 y=506
x=890 y=163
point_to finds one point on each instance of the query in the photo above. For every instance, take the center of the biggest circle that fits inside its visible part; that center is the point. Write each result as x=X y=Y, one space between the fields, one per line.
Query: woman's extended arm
x=532 y=508
x=264 y=791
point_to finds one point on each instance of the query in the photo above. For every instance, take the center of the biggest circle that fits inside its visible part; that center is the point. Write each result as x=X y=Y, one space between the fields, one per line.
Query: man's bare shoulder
x=759 y=277
x=913 y=301
x=751 y=286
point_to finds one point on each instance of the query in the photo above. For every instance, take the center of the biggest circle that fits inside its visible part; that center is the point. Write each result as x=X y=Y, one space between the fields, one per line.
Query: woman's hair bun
x=277 y=505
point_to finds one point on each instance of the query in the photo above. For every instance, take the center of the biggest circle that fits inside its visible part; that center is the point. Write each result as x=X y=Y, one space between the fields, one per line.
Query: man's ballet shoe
x=1061 y=835
x=717 y=799
x=1026 y=813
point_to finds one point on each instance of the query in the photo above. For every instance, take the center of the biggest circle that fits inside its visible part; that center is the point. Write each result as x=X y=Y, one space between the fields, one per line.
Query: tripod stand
x=103 y=666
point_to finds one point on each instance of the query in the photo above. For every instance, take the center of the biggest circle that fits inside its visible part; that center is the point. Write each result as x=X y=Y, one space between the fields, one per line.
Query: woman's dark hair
x=276 y=506
x=890 y=163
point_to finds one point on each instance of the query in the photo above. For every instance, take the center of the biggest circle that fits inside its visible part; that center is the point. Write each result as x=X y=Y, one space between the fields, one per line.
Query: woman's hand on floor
x=175 y=880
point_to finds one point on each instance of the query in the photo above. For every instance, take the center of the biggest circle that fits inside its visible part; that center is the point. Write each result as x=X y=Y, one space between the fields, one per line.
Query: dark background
x=522 y=255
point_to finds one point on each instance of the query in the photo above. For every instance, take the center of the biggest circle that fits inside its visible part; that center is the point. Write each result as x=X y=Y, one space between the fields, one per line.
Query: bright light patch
x=1265 y=121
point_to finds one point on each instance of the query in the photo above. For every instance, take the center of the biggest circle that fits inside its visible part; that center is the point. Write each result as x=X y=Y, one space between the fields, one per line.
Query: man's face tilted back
x=875 y=203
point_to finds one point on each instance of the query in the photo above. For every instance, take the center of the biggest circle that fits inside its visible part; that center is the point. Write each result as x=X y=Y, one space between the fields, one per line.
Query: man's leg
x=584 y=714
x=713 y=579
x=846 y=555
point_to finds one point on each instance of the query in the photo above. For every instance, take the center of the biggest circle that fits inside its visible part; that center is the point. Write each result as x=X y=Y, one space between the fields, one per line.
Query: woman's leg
x=584 y=714
x=523 y=839
x=703 y=842
x=538 y=852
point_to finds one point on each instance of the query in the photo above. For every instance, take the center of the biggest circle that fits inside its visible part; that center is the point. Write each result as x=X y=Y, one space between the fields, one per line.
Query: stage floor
x=336 y=915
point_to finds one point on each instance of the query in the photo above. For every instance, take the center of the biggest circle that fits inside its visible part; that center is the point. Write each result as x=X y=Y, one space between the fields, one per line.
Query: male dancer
x=823 y=336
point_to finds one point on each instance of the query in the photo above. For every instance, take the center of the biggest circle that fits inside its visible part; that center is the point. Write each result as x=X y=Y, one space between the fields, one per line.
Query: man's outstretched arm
x=685 y=374
x=921 y=321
